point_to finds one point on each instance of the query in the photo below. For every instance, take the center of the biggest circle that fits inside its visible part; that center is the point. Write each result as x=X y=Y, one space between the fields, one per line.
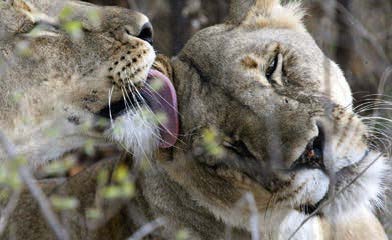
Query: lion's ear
x=239 y=9
x=267 y=13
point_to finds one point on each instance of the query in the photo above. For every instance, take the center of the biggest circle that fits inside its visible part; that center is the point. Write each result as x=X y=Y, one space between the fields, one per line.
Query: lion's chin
x=144 y=114
x=136 y=131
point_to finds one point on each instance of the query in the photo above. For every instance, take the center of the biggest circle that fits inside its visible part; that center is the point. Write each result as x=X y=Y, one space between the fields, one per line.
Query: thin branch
x=8 y=147
x=35 y=191
x=13 y=202
x=9 y=209
x=148 y=228
x=43 y=203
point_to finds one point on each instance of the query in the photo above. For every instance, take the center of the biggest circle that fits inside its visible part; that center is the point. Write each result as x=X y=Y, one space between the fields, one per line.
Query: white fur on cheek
x=313 y=186
x=137 y=132
x=366 y=192
x=310 y=231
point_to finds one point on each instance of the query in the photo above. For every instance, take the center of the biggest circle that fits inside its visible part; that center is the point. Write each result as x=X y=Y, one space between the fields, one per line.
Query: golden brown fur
x=260 y=87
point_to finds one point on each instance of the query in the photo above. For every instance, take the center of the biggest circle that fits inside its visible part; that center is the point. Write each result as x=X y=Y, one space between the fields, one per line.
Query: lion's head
x=282 y=121
x=64 y=65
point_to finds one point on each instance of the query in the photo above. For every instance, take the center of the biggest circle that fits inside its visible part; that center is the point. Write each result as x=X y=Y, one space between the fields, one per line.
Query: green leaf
x=89 y=147
x=121 y=174
x=64 y=203
x=74 y=29
x=111 y=192
x=128 y=189
x=65 y=14
x=182 y=235
x=94 y=213
x=59 y=167
x=211 y=143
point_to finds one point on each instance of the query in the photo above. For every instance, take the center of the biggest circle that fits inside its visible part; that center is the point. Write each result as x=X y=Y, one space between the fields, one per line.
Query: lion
x=259 y=139
x=114 y=51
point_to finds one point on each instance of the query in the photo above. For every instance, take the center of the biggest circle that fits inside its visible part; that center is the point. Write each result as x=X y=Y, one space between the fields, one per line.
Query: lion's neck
x=168 y=199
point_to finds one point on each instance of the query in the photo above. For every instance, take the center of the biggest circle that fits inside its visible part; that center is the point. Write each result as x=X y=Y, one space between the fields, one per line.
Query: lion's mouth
x=313 y=155
x=159 y=95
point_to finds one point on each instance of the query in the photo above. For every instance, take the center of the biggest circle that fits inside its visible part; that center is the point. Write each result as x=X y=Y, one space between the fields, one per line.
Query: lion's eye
x=45 y=26
x=271 y=68
x=238 y=146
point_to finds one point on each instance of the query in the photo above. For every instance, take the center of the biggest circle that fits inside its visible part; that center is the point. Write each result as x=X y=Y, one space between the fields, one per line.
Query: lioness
x=287 y=144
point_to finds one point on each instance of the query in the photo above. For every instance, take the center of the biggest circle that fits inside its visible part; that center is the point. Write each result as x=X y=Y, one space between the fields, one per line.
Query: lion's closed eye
x=43 y=27
x=274 y=71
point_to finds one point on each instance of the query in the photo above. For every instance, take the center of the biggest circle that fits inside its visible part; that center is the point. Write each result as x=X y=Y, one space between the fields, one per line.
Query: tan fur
x=273 y=15
x=76 y=75
x=262 y=125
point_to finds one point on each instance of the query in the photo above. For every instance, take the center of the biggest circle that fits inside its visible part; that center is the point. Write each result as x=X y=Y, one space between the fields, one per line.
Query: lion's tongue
x=162 y=99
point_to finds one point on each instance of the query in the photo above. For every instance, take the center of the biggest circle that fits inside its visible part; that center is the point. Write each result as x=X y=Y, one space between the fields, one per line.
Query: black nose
x=312 y=157
x=147 y=33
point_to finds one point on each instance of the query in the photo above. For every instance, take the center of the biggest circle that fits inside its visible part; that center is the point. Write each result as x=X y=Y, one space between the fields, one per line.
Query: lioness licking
x=258 y=139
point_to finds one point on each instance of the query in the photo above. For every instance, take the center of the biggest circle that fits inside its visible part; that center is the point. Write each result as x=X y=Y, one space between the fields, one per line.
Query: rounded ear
x=267 y=13
x=239 y=9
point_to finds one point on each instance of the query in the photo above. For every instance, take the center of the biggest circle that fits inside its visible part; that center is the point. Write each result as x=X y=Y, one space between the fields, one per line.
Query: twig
x=13 y=202
x=148 y=228
x=8 y=147
x=9 y=209
x=43 y=203
x=35 y=190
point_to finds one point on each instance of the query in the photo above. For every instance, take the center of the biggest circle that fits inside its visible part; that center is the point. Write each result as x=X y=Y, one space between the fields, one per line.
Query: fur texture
x=280 y=112
x=51 y=94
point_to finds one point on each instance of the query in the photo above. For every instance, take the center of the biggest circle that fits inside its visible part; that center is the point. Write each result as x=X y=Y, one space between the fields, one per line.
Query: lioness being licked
x=293 y=158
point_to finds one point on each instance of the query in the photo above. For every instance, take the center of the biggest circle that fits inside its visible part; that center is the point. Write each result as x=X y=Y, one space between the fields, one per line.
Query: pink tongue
x=162 y=99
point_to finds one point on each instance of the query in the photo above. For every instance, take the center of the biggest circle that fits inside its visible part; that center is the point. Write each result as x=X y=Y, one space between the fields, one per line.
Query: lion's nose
x=145 y=33
x=312 y=157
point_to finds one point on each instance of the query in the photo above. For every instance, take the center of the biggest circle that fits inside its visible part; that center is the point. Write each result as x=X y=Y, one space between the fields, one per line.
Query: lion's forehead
x=222 y=51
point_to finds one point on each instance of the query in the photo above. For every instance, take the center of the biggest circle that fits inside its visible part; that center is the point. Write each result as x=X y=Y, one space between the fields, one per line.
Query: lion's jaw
x=265 y=122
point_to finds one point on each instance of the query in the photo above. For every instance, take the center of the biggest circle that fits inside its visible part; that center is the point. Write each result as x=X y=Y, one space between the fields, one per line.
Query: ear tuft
x=266 y=5
x=267 y=14
x=240 y=8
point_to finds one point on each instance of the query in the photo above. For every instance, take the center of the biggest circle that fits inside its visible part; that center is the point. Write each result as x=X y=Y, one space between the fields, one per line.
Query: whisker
x=110 y=105
x=330 y=200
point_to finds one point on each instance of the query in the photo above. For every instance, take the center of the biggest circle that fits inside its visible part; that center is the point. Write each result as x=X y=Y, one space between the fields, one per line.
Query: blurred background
x=357 y=34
